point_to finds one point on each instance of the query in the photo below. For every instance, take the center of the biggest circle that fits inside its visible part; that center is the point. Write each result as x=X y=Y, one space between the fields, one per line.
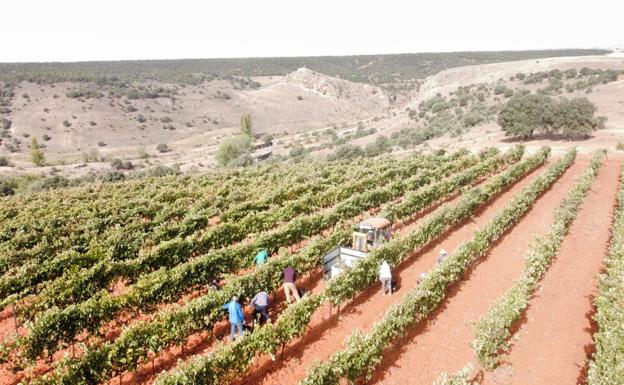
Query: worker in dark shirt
x=290 y=289
x=260 y=303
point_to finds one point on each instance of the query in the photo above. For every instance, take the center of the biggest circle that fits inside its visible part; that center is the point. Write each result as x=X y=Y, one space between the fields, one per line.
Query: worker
x=290 y=289
x=385 y=277
x=260 y=303
x=214 y=285
x=442 y=256
x=237 y=319
x=261 y=258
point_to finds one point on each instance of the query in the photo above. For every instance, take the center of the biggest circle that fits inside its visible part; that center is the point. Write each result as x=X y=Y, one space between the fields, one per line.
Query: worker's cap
x=443 y=252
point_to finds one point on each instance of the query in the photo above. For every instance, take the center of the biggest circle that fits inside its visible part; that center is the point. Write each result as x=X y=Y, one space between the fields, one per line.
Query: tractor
x=367 y=235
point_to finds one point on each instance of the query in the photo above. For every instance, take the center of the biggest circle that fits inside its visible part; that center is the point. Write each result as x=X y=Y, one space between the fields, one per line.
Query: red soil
x=554 y=341
x=327 y=332
x=442 y=342
x=203 y=343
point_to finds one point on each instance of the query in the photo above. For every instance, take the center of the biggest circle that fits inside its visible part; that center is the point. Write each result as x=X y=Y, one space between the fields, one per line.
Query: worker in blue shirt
x=236 y=316
x=261 y=258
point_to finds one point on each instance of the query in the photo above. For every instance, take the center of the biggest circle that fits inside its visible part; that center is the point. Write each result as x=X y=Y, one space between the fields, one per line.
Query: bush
x=500 y=89
x=242 y=161
x=93 y=155
x=50 y=183
x=5 y=123
x=620 y=146
x=296 y=151
x=157 y=171
x=473 y=118
x=4 y=162
x=46 y=137
x=112 y=176
x=346 y=151
x=246 y=125
x=118 y=164
x=36 y=155
x=162 y=147
x=231 y=149
x=5 y=190
x=378 y=147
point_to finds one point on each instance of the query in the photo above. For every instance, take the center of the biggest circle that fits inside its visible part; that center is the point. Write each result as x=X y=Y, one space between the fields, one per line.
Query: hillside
x=392 y=70
x=84 y=119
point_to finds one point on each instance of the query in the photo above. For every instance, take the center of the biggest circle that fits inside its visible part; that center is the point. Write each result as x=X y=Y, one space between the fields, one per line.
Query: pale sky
x=76 y=30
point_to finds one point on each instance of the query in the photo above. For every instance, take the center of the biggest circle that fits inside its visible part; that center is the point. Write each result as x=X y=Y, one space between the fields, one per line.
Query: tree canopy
x=523 y=115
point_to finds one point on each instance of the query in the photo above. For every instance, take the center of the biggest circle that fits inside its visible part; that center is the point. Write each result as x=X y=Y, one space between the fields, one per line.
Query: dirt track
x=326 y=334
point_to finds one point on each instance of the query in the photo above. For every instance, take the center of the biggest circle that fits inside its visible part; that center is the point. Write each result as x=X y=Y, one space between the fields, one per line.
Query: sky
x=71 y=30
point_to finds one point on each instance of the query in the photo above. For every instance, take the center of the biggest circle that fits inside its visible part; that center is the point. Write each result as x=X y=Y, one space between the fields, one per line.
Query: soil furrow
x=327 y=333
x=554 y=339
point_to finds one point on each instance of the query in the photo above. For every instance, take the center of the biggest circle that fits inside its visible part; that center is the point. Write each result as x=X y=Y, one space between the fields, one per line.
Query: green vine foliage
x=231 y=360
x=494 y=330
x=57 y=326
x=143 y=338
x=607 y=364
x=116 y=253
x=363 y=353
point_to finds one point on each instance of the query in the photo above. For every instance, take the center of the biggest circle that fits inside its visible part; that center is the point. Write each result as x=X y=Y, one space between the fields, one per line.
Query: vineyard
x=113 y=283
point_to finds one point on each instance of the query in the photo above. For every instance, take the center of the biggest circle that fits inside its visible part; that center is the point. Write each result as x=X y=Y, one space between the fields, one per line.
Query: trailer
x=367 y=235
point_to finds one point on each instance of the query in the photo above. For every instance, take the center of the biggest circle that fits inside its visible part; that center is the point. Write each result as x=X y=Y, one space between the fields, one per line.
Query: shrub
x=36 y=155
x=50 y=183
x=157 y=171
x=165 y=119
x=66 y=123
x=379 y=146
x=5 y=123
x=500 y=89
x=93 y=155
x=346 y=151
x=246 y=125
x=119 y=164
x=112 y=176
x=299 y=97
x=571 y=73
x=101 y=144
x=4 y=162
x=620 y=146
x=92 y=123
x=243 y=160
x=232 y=149
x=162 y=147
x=5 y=190
x=46 y=137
